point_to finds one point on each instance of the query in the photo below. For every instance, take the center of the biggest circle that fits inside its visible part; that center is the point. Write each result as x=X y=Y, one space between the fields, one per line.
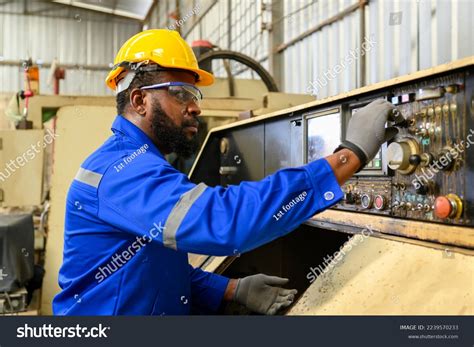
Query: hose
x=267 y=79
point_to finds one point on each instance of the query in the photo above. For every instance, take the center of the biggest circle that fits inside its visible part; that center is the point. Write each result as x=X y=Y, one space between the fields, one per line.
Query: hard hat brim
x=205 y=78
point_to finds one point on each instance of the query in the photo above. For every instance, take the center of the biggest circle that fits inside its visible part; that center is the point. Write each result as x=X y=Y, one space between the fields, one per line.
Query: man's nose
x=193 y=109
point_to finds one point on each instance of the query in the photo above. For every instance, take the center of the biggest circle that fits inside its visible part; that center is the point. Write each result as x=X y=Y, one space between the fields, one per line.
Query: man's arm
x=207 y=290
x=230 y=290
x=153 y=196
x=344 y=163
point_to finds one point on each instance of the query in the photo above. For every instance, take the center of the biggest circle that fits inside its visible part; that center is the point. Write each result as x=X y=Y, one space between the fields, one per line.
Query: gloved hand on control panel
x=366 y=131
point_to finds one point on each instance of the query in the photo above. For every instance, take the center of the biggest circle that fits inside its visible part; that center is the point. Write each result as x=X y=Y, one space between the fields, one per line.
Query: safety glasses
x=184 y=93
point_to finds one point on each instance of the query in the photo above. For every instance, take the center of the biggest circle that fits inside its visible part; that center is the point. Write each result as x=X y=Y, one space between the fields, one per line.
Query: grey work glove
x=367 y=132
x=263 y=294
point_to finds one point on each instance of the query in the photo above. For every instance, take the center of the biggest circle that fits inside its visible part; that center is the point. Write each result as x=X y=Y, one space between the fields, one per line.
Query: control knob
x=350 y=198
x=399 y=154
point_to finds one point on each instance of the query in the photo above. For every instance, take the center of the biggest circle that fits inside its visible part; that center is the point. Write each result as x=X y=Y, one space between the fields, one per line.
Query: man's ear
x=137 y=101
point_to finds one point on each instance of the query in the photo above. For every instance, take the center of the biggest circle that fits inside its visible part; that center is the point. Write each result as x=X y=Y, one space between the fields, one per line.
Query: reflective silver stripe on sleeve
x=88 y=177
x=178 y=213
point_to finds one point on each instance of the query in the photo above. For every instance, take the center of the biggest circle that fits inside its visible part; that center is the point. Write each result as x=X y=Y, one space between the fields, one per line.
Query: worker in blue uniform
x=132 y=219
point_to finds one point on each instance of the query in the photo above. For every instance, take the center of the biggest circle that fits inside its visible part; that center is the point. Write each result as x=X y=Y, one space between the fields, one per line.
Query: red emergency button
x=449 y=206
x=380 y=202
x=442 y=207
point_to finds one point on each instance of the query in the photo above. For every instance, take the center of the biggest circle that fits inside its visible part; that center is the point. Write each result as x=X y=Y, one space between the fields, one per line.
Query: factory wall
x=401 y=36
x=86 y=39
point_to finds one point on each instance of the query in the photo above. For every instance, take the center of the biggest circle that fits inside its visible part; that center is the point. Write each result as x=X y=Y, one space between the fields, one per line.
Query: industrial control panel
x=424 y=174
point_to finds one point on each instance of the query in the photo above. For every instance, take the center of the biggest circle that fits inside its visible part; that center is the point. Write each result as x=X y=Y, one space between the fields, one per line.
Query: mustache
x=163 y=121
x=190 y=123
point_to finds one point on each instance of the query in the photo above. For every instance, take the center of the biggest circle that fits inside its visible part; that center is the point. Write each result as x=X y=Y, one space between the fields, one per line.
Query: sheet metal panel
x=72 y=35
x=409 y=36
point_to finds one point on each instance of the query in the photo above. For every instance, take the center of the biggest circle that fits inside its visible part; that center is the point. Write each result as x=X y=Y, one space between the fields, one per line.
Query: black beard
x=172 y=137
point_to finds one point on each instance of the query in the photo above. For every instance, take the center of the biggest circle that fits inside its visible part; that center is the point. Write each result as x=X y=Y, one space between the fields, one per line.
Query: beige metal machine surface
x=243 y=88
x=5 y=124
x=39 y=103
x=78 y=137
x=26 y=187
x=21 y=167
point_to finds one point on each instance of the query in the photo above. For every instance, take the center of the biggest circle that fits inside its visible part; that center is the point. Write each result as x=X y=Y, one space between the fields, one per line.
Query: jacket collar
x=130 y=130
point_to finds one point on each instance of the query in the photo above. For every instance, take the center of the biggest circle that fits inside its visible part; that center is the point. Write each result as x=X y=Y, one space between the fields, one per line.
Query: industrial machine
x=16 y=259
x=416 y=190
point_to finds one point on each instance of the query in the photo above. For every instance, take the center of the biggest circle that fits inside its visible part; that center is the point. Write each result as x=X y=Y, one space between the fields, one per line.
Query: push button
x=449 y=206
x=443 y=208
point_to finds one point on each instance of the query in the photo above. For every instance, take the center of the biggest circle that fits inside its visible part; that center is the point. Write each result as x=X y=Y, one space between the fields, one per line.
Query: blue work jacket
x=132 y=219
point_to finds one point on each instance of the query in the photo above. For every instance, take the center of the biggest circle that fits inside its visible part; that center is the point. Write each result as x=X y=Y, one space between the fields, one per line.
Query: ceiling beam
x=100 y=9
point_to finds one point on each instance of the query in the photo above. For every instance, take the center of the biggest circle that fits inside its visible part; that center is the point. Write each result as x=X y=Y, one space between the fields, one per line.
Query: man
x=131 y=218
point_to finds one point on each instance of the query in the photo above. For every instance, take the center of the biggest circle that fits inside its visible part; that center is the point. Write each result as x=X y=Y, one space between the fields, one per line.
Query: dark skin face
x=143 y=108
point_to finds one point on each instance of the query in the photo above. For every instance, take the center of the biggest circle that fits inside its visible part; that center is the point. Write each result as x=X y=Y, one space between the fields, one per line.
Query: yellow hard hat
x=161 y=46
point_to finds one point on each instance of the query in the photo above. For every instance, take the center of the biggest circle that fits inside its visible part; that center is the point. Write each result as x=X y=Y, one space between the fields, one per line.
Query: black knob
x=349 y=198
x=422 y=189
x=414 y=159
